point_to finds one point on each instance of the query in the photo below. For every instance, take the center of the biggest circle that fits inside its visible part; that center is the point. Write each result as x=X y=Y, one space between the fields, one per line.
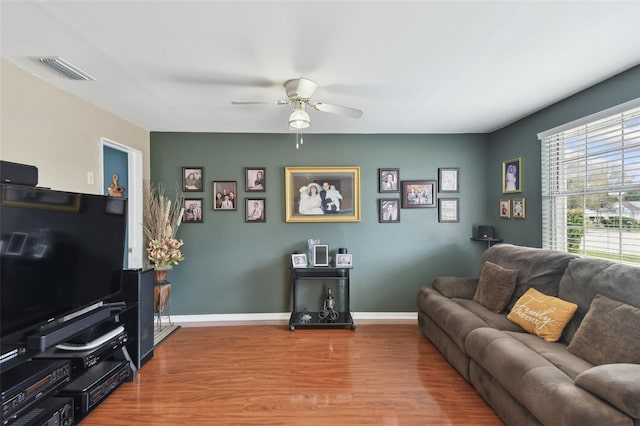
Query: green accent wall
x=520 y=140
x=232 y=266
x=237 y=267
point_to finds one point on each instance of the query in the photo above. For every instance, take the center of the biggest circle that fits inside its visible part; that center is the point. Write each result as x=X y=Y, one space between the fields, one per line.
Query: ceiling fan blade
x=336 y=109
x=260 y=102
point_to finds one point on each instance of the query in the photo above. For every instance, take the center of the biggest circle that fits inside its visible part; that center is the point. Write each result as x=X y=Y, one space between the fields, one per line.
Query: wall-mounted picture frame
x=225 y=195
x=512 y=176
x=321 y=255
x=255 y=179
x=449 y=179
x=448 y=210
x=193 y=210
x=192 y=179
x=519 y=208
x=505 y=209
x=344 y=260
x=389 y=210
x=322 y=194
x=388 y=180
x=255 y=210
x=299 y=260
x=418 y=194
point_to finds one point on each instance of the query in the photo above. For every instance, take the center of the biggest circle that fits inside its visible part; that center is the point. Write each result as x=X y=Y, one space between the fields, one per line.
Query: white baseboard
x=282 y=317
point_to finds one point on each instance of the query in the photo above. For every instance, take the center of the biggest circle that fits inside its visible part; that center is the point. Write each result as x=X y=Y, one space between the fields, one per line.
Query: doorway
x=126 y=163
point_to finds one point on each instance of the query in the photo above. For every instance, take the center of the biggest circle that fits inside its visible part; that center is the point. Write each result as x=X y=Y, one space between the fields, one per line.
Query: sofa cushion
x=617 y=384
x=537 y=268
x=586 y=277
x=542 y=315
x=546 y=391
x=495 y=286
x=609 y=333
x=554 y=352
x=455 y=286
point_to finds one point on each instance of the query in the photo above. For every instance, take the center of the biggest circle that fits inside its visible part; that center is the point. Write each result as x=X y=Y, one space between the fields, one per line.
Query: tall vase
x=161 y=275
x=161 y=293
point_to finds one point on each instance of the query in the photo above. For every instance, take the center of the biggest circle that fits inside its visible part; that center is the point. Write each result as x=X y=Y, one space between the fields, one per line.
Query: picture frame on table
x=519 y=208
x=193 y=210
x=512 y=176
x=418 y=194
x=448 y=210
x=255 y=210
x=505 y=209
x=344 y=260
x=321 y=255
x=322 y=194
x=255 y=179
x=389 y=210
x=388 y=180
x=192 y=179
x=225 y=195
x=449 y=179
x=299 y=260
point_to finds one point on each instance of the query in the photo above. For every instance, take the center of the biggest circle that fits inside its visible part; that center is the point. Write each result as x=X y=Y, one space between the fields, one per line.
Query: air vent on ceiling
x=64 y=68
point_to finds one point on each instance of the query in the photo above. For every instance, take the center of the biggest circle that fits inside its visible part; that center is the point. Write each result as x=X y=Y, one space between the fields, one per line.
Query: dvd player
x=51 y=412
x=95 y=384
x=83 y=359
x=30 y=382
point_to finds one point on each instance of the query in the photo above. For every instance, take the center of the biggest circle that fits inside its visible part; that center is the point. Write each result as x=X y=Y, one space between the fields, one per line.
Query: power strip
x=92 y=344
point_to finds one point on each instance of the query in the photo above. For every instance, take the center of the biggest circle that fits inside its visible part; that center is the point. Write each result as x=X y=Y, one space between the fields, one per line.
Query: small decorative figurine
x=329 y=307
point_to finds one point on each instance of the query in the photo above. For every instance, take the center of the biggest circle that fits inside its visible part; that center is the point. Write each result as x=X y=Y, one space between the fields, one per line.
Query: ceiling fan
x=299 y=92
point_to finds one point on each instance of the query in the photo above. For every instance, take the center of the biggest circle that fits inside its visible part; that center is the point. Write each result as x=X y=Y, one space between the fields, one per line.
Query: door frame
x=134 y=202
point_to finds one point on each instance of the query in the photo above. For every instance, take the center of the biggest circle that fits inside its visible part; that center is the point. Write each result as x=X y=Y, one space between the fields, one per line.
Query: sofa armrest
x=618 y=384
x=463 y=288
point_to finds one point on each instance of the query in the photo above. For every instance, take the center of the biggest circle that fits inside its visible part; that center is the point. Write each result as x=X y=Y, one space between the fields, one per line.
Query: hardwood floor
x=268 y=375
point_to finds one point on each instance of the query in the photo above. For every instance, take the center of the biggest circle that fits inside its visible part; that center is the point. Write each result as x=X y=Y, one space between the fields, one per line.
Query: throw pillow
x=495 y=286
x=542 y=315
x=609 y=333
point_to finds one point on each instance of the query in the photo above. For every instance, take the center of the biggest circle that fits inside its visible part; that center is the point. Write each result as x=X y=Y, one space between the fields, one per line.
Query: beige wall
x=58 y=132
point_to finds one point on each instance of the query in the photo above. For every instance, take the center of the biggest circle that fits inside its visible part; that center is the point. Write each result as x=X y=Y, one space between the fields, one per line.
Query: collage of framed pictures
x=512 y=180
x=193 y=181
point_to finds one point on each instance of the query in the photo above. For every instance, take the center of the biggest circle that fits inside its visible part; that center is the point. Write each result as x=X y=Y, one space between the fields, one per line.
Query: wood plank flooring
x=267 y=375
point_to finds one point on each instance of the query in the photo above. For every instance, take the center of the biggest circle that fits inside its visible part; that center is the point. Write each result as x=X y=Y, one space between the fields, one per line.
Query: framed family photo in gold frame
x=322 y=194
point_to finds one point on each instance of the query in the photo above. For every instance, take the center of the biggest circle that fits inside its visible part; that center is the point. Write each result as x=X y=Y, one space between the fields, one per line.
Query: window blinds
x=591 y=186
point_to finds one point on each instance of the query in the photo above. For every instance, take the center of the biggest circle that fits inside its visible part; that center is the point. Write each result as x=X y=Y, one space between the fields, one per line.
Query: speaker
x=137 y=290
x=485 y=232
x=18 y=174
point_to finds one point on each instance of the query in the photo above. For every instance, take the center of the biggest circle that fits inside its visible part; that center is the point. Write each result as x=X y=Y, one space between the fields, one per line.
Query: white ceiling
x=412 y=67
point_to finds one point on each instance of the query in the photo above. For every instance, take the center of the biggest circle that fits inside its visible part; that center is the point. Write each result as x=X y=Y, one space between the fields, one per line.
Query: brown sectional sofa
x=530 y=381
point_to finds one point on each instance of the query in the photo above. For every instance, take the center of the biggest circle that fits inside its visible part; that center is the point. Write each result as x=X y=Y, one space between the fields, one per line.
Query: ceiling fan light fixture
x=299 y=119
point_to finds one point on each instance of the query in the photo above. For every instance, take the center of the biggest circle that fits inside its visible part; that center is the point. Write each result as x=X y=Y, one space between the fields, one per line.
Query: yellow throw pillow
x=542 y=315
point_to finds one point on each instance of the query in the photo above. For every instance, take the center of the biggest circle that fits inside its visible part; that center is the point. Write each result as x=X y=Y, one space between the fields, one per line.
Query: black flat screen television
x=59 y=251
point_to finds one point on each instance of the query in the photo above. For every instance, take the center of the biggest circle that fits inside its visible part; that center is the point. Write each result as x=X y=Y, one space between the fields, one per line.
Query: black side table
x=318 y=318
x=489 y=241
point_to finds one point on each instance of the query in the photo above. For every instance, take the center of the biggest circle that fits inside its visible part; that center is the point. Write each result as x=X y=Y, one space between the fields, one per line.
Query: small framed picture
x=192 y=210
x=519 y=211
x=448 y=210
x=418 y=194
x=192 y=179
x=448 y=179
x=389 y=210
x=255 y=179
x=255 y=210
x=299 y=260
x=388 y=180
x=344 y=260
x=224 y=195
x=505 y=209
x=320 y=255
x=512 y=176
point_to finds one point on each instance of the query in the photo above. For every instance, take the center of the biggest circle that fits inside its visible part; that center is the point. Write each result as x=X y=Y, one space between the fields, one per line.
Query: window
x=591 y=185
